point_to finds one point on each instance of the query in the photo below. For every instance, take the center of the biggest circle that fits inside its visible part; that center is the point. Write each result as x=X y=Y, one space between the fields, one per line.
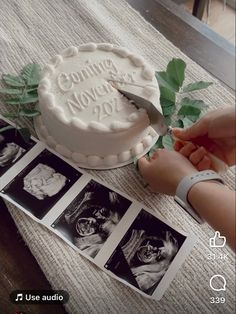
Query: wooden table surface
x=211 y=51
x=18 y=268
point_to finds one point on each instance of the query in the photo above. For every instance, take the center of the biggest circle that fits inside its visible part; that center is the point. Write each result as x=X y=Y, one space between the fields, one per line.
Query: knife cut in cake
x=84 y=117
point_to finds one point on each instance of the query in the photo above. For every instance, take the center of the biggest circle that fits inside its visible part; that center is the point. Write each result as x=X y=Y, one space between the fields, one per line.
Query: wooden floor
x=19 y=270
x=221 y=20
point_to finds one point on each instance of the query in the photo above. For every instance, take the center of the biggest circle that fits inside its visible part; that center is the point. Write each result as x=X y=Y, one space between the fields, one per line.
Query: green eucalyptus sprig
x=178 y=109
x=21 y=95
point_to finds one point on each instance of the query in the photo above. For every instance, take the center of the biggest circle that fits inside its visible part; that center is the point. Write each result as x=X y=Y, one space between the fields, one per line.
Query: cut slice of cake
x=84 y=117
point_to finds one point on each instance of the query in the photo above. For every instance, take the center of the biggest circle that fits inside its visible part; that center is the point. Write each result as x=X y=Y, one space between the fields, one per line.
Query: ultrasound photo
x=92 y=216
x=12 y=147
x=145 y=253
x=40 y=185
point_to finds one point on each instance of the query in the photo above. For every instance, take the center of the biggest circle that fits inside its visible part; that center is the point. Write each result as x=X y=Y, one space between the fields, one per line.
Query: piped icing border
x=94 y=160
x=48 y=99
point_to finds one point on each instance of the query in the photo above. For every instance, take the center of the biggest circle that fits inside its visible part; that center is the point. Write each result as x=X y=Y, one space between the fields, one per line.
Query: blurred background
x=217 y=14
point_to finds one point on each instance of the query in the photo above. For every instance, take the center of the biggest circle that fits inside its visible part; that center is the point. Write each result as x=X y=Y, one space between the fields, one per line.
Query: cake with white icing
x=84 y=117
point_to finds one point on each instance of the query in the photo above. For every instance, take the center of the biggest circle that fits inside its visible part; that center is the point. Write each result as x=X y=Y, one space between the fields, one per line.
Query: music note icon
x=19 y=297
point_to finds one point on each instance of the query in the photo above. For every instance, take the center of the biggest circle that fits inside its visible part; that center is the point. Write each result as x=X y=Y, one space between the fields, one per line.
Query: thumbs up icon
x=217 y=240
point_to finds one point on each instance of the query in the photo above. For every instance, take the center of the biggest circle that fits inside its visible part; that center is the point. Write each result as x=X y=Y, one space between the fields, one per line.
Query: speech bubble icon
x=218 y=283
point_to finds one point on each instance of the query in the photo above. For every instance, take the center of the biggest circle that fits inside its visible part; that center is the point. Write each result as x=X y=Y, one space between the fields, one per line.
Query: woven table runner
x=35 y=31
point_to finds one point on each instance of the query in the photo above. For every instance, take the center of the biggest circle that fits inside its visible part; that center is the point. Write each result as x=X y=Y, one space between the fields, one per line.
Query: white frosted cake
x=84 y=117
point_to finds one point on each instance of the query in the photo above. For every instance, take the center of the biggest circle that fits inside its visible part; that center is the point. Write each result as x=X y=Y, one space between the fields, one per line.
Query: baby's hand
x=197 y=155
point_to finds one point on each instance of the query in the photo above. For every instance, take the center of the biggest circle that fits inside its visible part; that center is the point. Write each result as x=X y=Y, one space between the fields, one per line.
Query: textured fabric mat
x=35 y=31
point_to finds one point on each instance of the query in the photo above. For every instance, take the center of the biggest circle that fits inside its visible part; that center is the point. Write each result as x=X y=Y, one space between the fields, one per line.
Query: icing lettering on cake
x=80 y=101
x=66 y=81
x=84 y=117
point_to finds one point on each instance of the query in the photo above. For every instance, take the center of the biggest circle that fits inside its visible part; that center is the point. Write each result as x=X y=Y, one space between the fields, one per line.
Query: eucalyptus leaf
x=194 y=118
x=15 y=101
x=166 y=81
x=168 y=110
x=178 y=124
x=198 y=103
x=191 y=107
x=168 y=142
x=10 y=115
x=187 y=122
x=170 y=82
x=31 y=73
x=151 y=152
x=168 y=120
x=5 y=128
x=166 y=103
x=24 y=88
x=167 y=95
x=11 y=91
x=32 y=89
x=196 y=86
x=27 y=99
x=176 y=70
x=25 y=134
x=189 y=111
x=29 y=113
x=15 y=81
x=157 y=145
